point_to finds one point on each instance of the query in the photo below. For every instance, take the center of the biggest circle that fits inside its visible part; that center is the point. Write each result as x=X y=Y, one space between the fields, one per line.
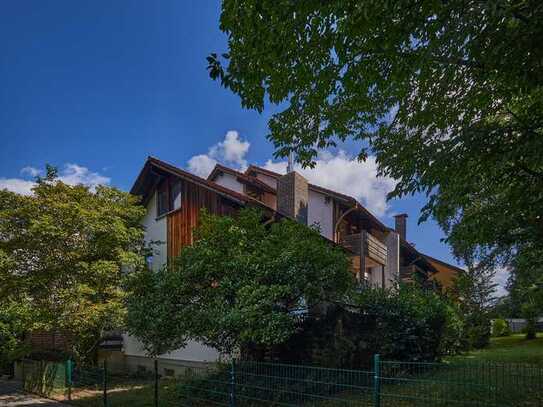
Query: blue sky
x=100 y=85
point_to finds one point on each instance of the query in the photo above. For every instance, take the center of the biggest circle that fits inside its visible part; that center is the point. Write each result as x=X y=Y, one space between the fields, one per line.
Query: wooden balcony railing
x=367 y=244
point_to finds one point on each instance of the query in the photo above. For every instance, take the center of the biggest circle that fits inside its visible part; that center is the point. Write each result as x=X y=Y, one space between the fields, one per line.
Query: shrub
x=477 y=330
x=454 y=333
x=406 y=324
x=400 y=324
x=500 y=327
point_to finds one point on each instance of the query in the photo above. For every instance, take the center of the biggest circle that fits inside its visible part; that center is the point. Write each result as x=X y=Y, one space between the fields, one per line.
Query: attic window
x=175 y=195
x=168 y=196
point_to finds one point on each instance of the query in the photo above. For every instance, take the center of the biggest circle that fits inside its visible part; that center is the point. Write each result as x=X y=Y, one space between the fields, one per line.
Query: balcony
x=367 y=244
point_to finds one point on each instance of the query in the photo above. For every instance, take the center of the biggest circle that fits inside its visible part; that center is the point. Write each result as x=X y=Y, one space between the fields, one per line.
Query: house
x=174 y=197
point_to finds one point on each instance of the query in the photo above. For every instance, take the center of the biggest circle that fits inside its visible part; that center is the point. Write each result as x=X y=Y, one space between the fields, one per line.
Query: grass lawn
x=135 y=395
x=509 y=372
x=510 y=349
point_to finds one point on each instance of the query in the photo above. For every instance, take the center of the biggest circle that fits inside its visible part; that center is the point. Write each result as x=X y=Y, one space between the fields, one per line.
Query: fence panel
x=460 y=384
x=250 y=384
x=44 y=378
x=87 y=386
x=275 y=384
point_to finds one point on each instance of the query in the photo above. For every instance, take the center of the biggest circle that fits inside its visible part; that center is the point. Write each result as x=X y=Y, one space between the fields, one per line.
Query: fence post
x=105 y=383
x=232 y=384
x=69 y=378
x=156 y=383
x=376 y=381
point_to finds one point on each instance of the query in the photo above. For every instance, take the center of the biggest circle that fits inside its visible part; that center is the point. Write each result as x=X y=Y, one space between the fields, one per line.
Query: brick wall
x=48 y=340
x=293 y=196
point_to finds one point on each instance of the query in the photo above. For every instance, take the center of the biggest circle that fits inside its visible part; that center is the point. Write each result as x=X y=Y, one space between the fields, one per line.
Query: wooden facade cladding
x=182 y=221
x=374 y=249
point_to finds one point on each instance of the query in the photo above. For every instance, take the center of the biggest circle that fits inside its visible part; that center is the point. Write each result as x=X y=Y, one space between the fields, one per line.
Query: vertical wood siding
x=182 y=222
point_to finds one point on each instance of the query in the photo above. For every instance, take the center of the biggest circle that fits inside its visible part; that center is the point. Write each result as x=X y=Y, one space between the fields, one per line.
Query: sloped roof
x=325 y=191
x=240 y=176
x=140 y=186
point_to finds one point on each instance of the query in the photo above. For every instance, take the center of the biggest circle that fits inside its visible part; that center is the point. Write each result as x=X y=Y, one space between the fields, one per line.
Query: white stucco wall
x=229 y=181
x=266 y=179
x=155 y=231
x=392 y=269
x=320 y=212
x=193 y=352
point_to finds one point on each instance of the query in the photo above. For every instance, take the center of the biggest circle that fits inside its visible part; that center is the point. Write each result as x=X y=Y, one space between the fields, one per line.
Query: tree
x=526 y=288
x=472 y=293
x=242 y=281
x=13 y=321
x=447 y=94
x=63 y=251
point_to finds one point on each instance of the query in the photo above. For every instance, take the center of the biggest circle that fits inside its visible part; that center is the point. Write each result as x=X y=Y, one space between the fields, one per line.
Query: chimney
x=290 y=165
x=293 y=196
x=401 y=225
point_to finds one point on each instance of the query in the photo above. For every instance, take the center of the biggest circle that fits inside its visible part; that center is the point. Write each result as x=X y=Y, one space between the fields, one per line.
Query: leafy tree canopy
x=62 y=253
x=14 y=317
x=242 y=281
x=447 y=94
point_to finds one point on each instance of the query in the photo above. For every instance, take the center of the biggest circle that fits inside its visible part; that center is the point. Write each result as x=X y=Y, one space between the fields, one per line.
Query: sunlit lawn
x=510 y=349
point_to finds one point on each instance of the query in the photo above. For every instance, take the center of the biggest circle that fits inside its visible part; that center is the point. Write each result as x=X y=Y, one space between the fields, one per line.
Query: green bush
x=477 y=330
x=453 y=339
x=401 y=324
x=12 y=328
x=500 y=327
x=408 y=323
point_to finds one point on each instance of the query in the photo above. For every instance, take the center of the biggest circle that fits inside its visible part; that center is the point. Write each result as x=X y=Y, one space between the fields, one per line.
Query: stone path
x=12 y=396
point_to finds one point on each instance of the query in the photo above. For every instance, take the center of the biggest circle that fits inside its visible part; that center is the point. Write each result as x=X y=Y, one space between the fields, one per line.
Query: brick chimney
x=401 y=225
x=293 y=196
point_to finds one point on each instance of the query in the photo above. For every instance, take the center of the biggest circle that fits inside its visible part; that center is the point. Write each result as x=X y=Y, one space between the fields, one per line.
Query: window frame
x=165 y=199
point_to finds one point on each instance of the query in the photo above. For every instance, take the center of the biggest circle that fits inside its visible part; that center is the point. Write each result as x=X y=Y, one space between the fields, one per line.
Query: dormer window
x=168 y=196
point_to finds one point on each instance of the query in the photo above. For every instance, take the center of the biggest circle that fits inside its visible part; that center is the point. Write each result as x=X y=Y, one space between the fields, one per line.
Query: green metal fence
x=251 y=384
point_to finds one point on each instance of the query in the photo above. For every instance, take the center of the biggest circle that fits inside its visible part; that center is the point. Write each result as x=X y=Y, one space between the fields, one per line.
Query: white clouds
x=201 y=165
x=20 y=186
x=31 y=171
x=339 y=172
x=232 y=151
x=72 y=174
x=342 y=173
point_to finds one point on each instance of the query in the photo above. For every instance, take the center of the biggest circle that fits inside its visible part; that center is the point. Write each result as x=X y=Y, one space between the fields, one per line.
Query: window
x=168 y=196
x=175 y=195
x=162 y=198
